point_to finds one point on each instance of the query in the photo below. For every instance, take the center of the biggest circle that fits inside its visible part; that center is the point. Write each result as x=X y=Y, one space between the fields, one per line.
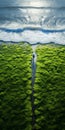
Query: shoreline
x=34 y=44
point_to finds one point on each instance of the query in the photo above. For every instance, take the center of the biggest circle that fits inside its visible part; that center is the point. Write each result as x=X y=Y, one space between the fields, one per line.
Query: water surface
x=32 y=21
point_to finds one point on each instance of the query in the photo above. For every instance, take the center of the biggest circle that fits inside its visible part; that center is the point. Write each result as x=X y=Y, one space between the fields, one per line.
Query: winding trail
x=34 y=57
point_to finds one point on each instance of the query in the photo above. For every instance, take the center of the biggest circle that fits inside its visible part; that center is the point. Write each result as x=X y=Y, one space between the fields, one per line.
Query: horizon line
x=34 y=7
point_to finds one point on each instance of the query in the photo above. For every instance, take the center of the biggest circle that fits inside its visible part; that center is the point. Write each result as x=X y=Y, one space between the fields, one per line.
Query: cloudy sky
x=44 y=3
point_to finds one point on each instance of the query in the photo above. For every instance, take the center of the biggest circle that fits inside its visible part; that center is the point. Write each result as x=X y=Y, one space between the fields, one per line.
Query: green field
x=16 y=87
x=50 y=88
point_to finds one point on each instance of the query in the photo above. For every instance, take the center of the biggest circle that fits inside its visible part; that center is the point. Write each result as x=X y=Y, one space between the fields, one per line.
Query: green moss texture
x=15 y=87
x=50 y=88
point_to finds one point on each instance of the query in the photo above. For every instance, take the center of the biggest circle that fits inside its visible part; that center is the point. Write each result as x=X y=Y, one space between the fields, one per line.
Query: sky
x=50 y=17
x=44 y=3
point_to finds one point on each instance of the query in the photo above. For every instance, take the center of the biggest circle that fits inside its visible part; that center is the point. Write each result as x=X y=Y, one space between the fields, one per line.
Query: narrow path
x=33 y=81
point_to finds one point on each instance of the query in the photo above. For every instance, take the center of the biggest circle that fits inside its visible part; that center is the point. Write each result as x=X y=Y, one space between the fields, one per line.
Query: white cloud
x=33 y=37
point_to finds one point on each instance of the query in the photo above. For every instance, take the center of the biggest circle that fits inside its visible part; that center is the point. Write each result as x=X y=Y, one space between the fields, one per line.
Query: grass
x=50 y=88
x=15 y=87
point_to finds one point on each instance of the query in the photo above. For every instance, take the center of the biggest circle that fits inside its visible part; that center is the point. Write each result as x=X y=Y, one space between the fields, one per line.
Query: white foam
x=33 y=37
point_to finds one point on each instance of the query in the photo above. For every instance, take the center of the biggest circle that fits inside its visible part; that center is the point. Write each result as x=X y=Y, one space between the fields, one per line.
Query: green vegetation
x=50 y=88
x=15 y=87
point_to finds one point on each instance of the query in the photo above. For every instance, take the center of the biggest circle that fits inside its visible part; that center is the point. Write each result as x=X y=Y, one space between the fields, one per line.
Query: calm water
x=32 y=21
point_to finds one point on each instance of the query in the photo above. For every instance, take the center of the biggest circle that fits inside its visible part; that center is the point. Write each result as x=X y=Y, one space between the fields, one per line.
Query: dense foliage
x=50 y=88
x=15 y=87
